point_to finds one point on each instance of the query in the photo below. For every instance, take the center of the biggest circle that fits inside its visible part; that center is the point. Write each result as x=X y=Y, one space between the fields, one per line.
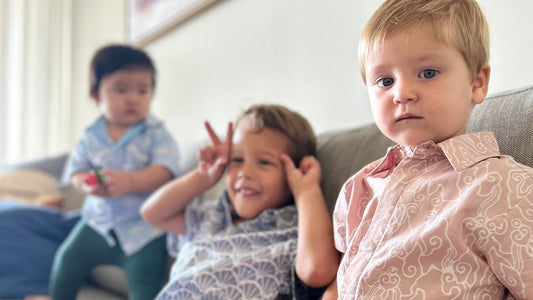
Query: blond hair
x=460 y=23
x=299 y=133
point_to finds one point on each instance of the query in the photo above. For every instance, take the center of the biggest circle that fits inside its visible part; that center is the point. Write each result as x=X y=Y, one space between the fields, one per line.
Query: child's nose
x=133 y=97
x=246 y=171
x=404 y=91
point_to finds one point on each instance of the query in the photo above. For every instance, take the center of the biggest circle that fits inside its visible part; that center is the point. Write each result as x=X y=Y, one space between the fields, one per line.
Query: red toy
x=94 y=178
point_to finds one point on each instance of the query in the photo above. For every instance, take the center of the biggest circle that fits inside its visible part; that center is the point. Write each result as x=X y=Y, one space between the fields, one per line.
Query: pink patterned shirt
x=452 y=220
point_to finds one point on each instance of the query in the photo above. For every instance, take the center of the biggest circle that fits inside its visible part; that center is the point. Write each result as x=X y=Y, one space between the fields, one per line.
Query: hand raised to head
x=215 y=157
x=302 y=179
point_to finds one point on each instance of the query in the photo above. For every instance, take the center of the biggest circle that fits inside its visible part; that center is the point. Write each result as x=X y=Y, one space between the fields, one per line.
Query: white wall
x=301 y=53
x=511 y=30
x=95 y=23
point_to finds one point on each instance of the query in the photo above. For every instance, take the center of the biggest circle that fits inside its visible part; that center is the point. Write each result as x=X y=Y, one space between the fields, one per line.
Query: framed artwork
x=149 y=19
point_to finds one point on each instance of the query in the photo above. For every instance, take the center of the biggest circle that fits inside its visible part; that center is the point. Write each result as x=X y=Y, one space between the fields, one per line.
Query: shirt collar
x=99 y=127
x=462 y=151
x=467 y=150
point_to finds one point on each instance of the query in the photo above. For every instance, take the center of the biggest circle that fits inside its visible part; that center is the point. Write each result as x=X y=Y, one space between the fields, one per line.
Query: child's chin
x=411 y=140
x=245 y=215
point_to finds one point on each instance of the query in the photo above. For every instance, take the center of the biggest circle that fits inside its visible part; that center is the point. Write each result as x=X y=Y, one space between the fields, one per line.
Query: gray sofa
x=342 y=153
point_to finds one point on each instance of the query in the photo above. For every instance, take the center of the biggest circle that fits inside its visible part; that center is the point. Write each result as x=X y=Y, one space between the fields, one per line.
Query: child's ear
x=480 y=85
x=94 y=96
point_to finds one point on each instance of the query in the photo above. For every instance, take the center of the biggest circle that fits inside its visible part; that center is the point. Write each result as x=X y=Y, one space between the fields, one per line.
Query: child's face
x=420 y=88
x=124 y=97
x=255 y=180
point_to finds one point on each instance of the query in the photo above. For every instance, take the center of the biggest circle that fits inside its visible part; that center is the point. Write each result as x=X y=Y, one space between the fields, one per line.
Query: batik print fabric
x=452 y=220
x=216 y=259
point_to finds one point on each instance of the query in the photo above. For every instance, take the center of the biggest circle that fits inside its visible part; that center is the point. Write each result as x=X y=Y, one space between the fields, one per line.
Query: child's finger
x=229 y=135
x=310 y=165
x=107 y=174
x=306 y=164
x=221 y=163
x=287 y=162
x=202 y=155
x=212 y=135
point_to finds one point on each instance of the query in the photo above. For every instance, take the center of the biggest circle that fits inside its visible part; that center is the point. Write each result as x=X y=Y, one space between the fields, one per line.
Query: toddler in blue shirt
x=134 y=154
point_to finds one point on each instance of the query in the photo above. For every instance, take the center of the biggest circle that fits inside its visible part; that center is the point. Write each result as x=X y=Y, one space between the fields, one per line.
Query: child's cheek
x=229 y=184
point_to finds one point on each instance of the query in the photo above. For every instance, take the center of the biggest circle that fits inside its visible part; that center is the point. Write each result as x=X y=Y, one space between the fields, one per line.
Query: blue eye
x=428 y=73
x=385 y=82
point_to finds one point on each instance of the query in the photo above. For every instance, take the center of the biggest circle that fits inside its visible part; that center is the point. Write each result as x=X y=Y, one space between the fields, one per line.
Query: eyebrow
x=372 y=73
x=260 y=152
x=142 y=84
x=381 y=68
x=269 y=154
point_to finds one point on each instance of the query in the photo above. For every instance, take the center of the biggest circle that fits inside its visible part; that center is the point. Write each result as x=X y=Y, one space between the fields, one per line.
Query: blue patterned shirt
x=216 y=259
x=144 y=144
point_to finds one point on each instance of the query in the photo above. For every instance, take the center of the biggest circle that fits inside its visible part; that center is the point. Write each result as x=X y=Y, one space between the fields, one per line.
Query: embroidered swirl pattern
x=447 y=221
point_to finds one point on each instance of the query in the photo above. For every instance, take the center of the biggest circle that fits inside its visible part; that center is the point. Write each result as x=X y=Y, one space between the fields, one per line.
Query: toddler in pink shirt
x=443 y=215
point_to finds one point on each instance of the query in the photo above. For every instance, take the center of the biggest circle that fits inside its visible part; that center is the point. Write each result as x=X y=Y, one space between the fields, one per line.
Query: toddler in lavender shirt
x=443 y=215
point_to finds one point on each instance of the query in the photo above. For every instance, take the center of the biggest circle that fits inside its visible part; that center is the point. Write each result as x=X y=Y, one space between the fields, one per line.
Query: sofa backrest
x=508 y=114
x=344 y=152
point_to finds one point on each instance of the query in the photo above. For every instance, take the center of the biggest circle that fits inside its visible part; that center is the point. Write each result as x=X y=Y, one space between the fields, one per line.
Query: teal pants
x=85 y=249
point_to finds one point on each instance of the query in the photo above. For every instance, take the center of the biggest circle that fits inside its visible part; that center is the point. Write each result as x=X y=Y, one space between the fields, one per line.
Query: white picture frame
x=149 y=19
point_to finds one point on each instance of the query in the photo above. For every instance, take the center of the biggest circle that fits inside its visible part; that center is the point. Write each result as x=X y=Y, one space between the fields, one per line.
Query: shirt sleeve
x=202 y=218
x=340 y=214
x=78 y=160
x=509 y=251
x=165 y=150
x=193 y=218
x=349 y=208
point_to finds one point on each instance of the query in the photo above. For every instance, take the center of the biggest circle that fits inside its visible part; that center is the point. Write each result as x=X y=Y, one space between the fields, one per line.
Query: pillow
x=29 y=238
x=30 y=186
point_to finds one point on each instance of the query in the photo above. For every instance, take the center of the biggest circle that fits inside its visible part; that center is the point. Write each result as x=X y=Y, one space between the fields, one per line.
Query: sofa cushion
x=111 y=278
x=510 y=116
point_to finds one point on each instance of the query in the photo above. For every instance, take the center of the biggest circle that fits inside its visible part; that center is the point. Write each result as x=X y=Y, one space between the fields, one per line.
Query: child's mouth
x=247 y=192
x=407 y=117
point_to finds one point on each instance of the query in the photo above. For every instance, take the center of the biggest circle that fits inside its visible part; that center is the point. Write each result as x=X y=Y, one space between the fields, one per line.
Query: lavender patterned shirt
x=452 y=220
x=216 y=259
x=147 y=143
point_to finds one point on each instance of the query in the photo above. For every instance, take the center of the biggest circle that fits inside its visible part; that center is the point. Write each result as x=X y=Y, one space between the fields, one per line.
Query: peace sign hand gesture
x=214 y=158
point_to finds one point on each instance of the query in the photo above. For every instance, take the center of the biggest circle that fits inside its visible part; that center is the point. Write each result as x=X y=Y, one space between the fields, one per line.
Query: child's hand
x=94 y=178
x=304 y=179
x=88 y=183
x=117 y=183
x=214 y=158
